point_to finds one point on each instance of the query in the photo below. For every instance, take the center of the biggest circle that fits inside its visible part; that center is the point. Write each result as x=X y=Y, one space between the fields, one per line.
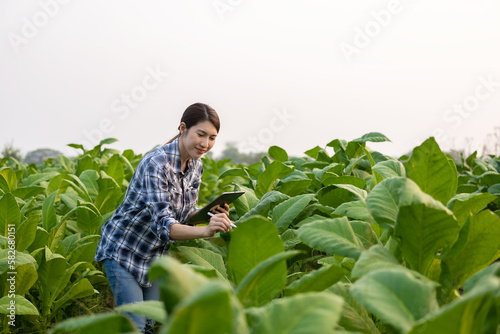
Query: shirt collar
x=174 y=148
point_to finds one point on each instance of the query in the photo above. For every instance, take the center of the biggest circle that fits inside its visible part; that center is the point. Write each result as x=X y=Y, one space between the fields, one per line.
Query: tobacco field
x=343 y=239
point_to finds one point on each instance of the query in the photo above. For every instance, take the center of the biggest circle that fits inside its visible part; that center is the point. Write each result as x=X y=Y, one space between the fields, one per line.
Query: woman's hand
x=218 y=223
x=223 y=208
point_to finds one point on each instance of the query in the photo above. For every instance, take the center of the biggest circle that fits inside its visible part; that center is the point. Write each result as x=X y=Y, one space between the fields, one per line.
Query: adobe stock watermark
x=123 y=105
x=11 y=274
x=364 y=36
x=260 y=142
x=224 y=6
x=30 y=27
x=454 y=116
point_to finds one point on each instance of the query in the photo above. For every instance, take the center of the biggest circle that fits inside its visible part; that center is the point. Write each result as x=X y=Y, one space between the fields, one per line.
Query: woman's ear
x=182 y=127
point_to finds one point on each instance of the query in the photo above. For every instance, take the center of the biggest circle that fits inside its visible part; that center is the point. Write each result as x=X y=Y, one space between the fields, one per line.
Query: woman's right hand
x=218 y=223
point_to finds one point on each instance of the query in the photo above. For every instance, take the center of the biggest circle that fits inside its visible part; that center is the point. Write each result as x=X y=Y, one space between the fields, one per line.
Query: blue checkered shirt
x=159 y=195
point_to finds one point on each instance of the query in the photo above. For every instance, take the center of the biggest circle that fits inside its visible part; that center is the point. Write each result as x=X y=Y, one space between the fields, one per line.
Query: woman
x=161 y=195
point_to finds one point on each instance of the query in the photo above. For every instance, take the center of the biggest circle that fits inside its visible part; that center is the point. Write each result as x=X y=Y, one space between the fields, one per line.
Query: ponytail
x=171 y=140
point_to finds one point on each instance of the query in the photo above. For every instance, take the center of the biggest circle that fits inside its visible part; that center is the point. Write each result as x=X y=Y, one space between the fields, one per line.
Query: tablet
x=202 y=215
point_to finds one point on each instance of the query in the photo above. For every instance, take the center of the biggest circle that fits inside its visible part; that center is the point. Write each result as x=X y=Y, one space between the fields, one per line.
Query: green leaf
x=355 y=317
x=355 y=210
x=35 y=179
x=313 y=152
x=364 y=232
x=375 y=258
x=109 y=323
x=10 y=214
x=84 y=163
x=265 y=203
x=115 y=169
x=338 y=144
x=422 y=230
x=304 y=313
x=21 y=307
x=109 y=195
x=335 y=195
x=384 y=199
x=267 y=179
x=476 y=247
x=317 y=280
x=107 y=141
x=41 y=239
x=51 y=274
x=494 y=190
x=278 y=154
x=205 y=258
x=26 y=276
x=473 y=281
x=290 y=239
x=26 y=233
x=8 y=180
x=71 y=200
x=57 y=183
x=178 y=281
x=245 y=202
x=3 y=241
x=83 y=250
x=286 y=212
x=264 y=281
x=389 y=168
x=464 y=315
x=234 y=172
x=434 y=173
x=375 y=137
x=80 y=289
x=490 y=178
x=26 y=193
x=49 y=218
x=464 y=205
x=77 y=146
x=153 y=309
x=294 y=184
x=397 y=296
x=358 y=194
x=79 y=187
x=256 y=239
x=208 y=310
x=21 y=259
x=333 y=236
x=57 y=234
x=89 y=179
x=352 y=180
x=89 y=220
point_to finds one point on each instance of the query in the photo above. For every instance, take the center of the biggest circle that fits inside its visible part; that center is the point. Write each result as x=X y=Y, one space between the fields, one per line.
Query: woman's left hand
x=223 y=208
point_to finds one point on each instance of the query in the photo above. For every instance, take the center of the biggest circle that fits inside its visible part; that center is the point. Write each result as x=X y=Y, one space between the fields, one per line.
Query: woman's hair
x=196 y=113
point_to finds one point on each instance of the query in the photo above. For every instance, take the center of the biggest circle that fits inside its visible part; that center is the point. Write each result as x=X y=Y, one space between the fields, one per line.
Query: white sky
x=60 y=82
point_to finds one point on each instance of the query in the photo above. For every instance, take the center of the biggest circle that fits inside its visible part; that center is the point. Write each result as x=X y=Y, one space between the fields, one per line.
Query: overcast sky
x=291 y=73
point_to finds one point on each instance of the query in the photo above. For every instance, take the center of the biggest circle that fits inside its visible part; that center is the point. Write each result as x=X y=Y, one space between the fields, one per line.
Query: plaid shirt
x=158 y=195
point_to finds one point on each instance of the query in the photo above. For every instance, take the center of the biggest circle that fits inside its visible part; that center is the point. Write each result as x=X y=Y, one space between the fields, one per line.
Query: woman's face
x=197 y=140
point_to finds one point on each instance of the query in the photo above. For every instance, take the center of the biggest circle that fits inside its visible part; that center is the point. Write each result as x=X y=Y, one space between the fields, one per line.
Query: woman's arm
x=218 y=223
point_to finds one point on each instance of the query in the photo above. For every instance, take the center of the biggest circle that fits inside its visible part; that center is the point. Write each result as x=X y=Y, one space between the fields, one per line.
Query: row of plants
x=52 y=214
x=351 y=241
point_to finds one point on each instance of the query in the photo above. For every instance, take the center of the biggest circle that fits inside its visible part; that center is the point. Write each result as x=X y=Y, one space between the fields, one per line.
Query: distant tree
x=237 y=157
x=40 y=155
x=10 y=151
